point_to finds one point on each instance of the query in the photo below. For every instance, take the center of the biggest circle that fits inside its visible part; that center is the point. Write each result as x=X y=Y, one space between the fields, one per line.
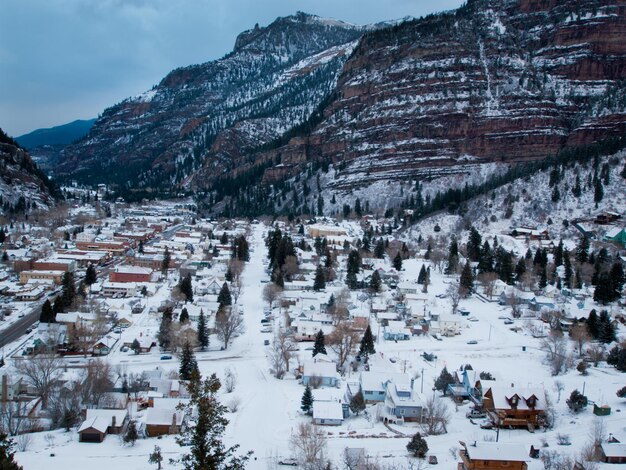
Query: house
x=402 y=403
x=616 y=235
x=493 y=456
x=613 y=452
x=514 y=407
x=396 y=331
x=130 y=274
x=99 y=422
x=373 y=385
x=10 y=387
x=103 y=346
x=320 y=373
x=328 y=413
x=464 y=385
x=164 y=417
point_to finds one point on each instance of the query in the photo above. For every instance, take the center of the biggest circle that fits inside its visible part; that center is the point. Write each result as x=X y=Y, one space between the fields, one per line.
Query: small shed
x=603 y=410
x=93 y=430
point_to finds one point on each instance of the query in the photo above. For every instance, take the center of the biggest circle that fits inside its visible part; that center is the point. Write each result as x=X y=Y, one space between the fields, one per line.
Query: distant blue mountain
x=58 y=135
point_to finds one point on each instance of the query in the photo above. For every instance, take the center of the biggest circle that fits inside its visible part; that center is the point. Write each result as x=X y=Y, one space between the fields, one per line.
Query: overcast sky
x=62 y=60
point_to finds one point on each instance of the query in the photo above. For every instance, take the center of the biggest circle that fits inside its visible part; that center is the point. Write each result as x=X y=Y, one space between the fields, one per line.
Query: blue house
x=320 y=374
x=396 y=331
x=468 y=386
x=373 y=385
x=402 y=403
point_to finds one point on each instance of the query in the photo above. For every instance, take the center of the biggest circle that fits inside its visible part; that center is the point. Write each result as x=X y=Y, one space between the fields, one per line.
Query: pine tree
x=617 y=279
x=224 y=298
x=375 y=282
x=319 y=346
x=367 y=343
x=466 y=282
x=422 y=275
x=204 y=433
x=357 y=403
x=485 y=262
x=453 y=257
x=593 y=324
x=165 y=329
x=131 y=435
x=165 y=264
x=58 y=304
x=379 y=250
x=603 y=293
x=556 y=194
x=567 y=263
x=320 y=279
x=135 y=346
x=203 y=336
x=444 y=379
x=68 y=293
x=576 y=401
x=598 y=191
x=306 y=404
x=397 y=262
x=186 y=288
x=543 y=278
x=582 y=249
x=474 y=245
x=184 y=316
x=417 y=446
x=577 y=190
x=155 y=457
x=606 y=330
x=7 y=461
x=47 y=314
x=90 y=275
x=188 y=363
x=558 y=254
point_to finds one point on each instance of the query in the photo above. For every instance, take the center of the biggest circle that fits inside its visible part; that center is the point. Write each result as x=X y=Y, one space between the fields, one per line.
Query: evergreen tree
x=357 y=403
x=90 y=275
x=577 y=190
x=224 y=298
x=188 y=363
x=379 y=250
x=306 y=403
x=186 y=288
x=520 y=269
x=353 y=268
x=556 y=194
x=319 y=346
x=131 y=435
x=444 y=379
x=47 y=313
x=375 y=282
x=466 y=282
x=422 y=275
x=504 y=265
x=58 y=304
x=593 y=324
x=140 y=248
x=397 y=262
x=453 y=256
x=582 y=249
x=135 y=346
x=165 y=263
x=558 y=254
x=485 y=262
x=598 y=191
x=156 y=457
x=567 y=263
x=165 y=329
x=203 y=335
x=617 y=280
x=474 y=245
x=603 y=293
x=68 y=293
x=417 y=446
x=204 y=433
x=184 y=316
x=7 y=461
x=576 y=401
x=320 y=279
x=606 y=330
x=367 y=343
x=543 y=278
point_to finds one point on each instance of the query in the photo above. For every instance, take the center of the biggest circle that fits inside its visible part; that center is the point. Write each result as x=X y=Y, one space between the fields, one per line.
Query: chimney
x=113 y=422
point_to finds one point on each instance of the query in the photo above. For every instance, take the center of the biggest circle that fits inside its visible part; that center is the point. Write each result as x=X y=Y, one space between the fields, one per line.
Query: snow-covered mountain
x=204 y=118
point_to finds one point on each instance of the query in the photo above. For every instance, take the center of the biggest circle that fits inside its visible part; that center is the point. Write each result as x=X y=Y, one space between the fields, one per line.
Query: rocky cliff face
x=200 y=121
x=23 y=186
x=497 y=80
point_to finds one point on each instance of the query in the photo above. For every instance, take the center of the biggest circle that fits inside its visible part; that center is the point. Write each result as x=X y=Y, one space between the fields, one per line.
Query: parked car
x=472 y=341
x=475 y=414
x=165 y=357
x=288 y=461
x=266 y=342
x=265 y=320
x=124 y=348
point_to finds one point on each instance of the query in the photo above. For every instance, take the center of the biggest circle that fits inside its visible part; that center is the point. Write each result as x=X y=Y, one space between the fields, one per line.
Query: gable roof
x=497 y=451
x=97 y=422
x=327 y=410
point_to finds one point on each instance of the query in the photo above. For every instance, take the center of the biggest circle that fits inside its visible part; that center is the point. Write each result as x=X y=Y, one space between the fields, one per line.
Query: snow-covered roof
x=163 y=416
x=371 y=380
x=498 y=451
x=614 y=449
x=320 y=369
x=327 y=410
x=97 y=422
x=501 y=394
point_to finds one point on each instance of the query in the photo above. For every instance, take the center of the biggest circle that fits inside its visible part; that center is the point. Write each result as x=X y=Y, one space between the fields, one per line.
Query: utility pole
x=422 y=388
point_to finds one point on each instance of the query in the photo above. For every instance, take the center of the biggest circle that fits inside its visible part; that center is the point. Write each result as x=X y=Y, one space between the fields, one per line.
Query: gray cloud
x=69 y=59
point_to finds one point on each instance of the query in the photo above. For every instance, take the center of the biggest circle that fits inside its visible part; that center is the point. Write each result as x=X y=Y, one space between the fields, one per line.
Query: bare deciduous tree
x=436 y=416
x=42 y=372
x=228 y=325
x=555 y=347
x=580 y=336
x=488 y=281
x=230 y=380
x=283 y=349
x=455 y=295
x=596 y=354
x=271 y=293
x=95 y=381
x=309 y=444
x=343 y=341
